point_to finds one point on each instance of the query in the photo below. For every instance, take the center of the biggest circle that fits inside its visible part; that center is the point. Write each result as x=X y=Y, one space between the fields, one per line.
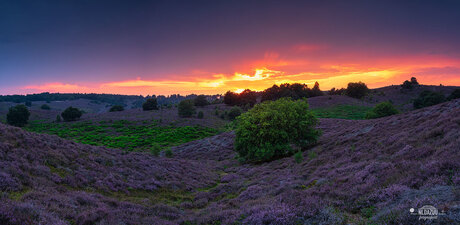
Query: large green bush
x=381 y=110
x=18 y=115
x=357 y=90
x=186 y=108
x=150 y=104
x=201 y=100
x=429 y=98
x=234 y=112
x=71 y=114
x=270 y=130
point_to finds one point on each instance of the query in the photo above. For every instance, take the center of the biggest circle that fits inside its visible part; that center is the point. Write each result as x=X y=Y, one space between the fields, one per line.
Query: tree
x=381 y=110
x=334 y=91
x=71 y=114
x=231 y=98
x=18 y=115
x=428 y=98
x=200 y=115
x=28 y=103
x=45 y=107
x=186 y=108
x=117 y=108
x=201 y=100
x=58 y=119
x=235 y=111
x=270 y=129
x=413 y=81
x=316 y=91
x=150 y=104
x=357 y=90
x=247 y=97
x=406 y=85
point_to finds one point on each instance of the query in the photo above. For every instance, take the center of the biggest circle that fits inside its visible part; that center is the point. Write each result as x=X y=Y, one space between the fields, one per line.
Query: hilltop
x=374 y=169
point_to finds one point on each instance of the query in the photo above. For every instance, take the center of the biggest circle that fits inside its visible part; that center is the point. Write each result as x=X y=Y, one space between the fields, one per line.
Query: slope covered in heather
x=360 y=171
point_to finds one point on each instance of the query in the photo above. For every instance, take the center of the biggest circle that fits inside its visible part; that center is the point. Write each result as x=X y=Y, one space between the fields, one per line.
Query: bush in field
x=234 y=112
x=268 y=130
x=71 y=114
x=200 y=115
x=117 y=108
x=298 y=157
x=231 y=98
x=357 y=90
x=28 y=103
x=381 y=110
x=18 y=115
x=168 y=153
x=58 y=119
x=150 y=104
x=455 y=94
x=429 y=98
x=186 y=108
x=201 y=100
x=45 y=107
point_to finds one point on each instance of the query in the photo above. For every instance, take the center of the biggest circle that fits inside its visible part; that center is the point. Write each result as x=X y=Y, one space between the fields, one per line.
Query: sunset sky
x=168 y=47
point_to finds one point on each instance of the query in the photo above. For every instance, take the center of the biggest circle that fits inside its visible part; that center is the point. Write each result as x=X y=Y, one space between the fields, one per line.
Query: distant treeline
x=113 y=99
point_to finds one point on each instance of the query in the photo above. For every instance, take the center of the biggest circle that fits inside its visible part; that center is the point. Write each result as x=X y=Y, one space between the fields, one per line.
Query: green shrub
x=268 y=130
x=58 y=118
x=45 y=107
x=168 y=153
x=381 y=110
x=428 y=98
x=357 y=90
x=150 y=104
x=18 y=115
x=200 y=115
x=71 y=114
x=234 y=112
x=298 y=157
x=155 y=150
x=186 y=108
x=201 y=100
x=28 y=103
x=455 y=94
x=117 y=108
x=312 y=155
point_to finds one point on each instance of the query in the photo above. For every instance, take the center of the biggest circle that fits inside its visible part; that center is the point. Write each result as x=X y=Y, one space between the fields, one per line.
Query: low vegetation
x=123 y=134
x=269 y=130
x=429 y=98
x=351 y=112
x=18 y=115
x=117 y=108
x=45 y=107
x=381 y=110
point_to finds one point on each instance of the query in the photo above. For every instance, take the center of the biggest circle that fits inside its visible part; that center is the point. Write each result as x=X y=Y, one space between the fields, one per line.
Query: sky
x=209 y=47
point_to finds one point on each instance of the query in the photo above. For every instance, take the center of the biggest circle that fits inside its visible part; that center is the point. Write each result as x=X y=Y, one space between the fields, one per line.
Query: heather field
x=359 y=172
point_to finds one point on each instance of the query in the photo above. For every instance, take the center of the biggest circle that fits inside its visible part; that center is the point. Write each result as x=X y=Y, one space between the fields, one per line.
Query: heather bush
x=45 y=107
x=381 y=110
x=117 y=108
x=357 y=90
x=71 y=114
x=268 y=130
x=18 y=115
x=234 y=112
x=200 y=115
x=201 y=100
x=428 y=98
x=150 y=104
x=186 y=108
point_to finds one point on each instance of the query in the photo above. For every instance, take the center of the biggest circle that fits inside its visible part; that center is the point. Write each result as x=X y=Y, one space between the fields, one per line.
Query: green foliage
x=298 y=157
x=71 y=114
x=186 y=108
x=45 y=107
x=200 y=115
x=455 y=94
x=168 y=153
x=117 y=108
x=428 y=98
x=124 y=134
x=28 y=103
x=150 y=104
x=268 y=130
x=352 y=112
x=312 y=155
x=18 y=115
x=357 y=90
x=368 y=212
x=381 y=110
x=231 y=98
x=234 y=112
x=407 y=85
x=201 y=100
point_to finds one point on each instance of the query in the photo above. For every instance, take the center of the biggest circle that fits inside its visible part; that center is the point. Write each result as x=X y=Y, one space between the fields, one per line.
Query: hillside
x=360 y=171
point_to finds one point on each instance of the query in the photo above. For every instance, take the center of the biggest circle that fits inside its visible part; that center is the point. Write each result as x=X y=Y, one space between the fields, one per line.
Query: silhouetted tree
x=18 y=115
x=414 y=81
x=357 y=90
x=150 y=104
x=316 y=91
x=247 y=97
x=71 y=114
x=201 y=100
x=186 y=108
x=230 y=98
